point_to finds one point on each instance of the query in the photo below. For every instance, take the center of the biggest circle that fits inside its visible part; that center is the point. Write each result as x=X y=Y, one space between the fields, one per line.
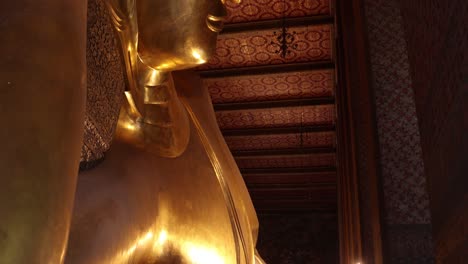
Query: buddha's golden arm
x=164 y=130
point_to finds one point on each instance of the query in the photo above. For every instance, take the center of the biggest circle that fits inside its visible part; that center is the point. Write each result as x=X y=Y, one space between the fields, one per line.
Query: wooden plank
x=277 y=23
x=265 y=206
x=275 y=103
x=282 y=152
x=288 y=170
x=293 y=186
x=327 y=196
x=277 y=130
x=285 y=179
x=267 y=69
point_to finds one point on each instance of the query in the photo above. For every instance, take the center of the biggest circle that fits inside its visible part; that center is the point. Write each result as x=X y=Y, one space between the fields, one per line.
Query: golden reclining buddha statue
x=169 y=191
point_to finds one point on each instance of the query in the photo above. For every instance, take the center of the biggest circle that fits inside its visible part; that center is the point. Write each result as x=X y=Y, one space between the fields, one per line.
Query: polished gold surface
x=169 y=190
x=138 y=206
x=156 y=209
x=42 y=100
x=158 y=37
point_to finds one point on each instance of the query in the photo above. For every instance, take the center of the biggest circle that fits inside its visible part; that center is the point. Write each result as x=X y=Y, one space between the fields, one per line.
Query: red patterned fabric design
x=254 y=10
x=410 y=244
x=298 y=238
x=254 y=48
x=281 y=141
x=406 y=199
x=312 y=160
x=294 y=161
x=105 y=84
x=276 y=117
x=293 y=85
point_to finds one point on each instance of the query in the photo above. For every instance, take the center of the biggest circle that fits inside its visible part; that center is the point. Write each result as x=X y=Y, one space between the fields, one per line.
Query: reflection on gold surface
x=162 y=238
x=193 y=252
x=201 y=255
x=198 y=56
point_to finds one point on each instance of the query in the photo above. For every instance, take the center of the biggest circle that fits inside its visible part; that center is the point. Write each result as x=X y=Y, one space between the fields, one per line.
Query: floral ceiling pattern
x=254 y=48
x=255 y=10
x=263 y=87
x=277 y=117
x=301 y=160
x=282 y=141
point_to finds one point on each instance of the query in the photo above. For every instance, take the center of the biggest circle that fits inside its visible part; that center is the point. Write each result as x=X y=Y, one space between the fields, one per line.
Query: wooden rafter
x=278 y=130
x=267 y=69
x=276 y=23
x=275 y=104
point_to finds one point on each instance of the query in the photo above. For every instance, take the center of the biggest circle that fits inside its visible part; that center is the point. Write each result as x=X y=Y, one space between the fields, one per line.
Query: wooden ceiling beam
x=282 y=152
x=274 y=103
x=277 y=23
x=277 y=130
x=294 y=205
x=287 y=179
x=316 y=192
x=286 y=211
x=332 y=201
x=267 y=69
x=324 y=201
x=328 y=201
x=330 y=188
x=311 y=187
x=294 y=209
x=295 y=195
x=288 y=170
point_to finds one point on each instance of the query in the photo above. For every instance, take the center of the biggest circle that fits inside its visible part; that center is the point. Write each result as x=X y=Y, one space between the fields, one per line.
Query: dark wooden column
x=359 y=194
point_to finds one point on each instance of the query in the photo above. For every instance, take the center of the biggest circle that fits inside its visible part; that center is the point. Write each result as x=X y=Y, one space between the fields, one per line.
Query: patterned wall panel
x=281 y=141
x=406 y=199
x=105 y=83
x=277 y=117
x=298 y=239
x=306 y=160
x=254 y=10
x=410 y=244
x=292 y=85
x=406 y=203
x=254 y=48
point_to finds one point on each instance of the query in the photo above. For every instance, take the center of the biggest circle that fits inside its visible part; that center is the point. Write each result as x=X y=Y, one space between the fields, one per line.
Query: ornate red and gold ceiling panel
x=254 y=48
x=281 y=141
x=254 y=10
x=291 y=85
x=277 y=117
x=292 y=161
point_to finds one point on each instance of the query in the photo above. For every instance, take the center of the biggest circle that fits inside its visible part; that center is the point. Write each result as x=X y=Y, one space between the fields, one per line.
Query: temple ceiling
x=278 y=113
